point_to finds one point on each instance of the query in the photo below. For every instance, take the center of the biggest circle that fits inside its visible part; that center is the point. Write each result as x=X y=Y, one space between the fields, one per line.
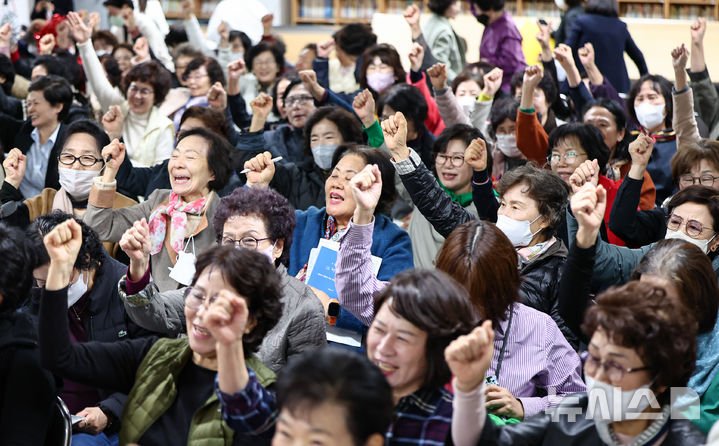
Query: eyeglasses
x=614 y=371
x=194 y=298
x=69 y=159
x=134 y=89
x=196 y=76
x=694 y=228
x=456 y=160
x=264 y=63
x=704 y=180
x=245 y=242
x=569 y=157
x=297 y=100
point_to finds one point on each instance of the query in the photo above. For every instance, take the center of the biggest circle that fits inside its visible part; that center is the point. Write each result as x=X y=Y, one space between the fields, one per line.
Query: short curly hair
x=91 y=251
x=661 y=330
x=18 y=261
x=253 y=277
x=152 y=73
x=213 y=67
x=218 y=155
x=273 y=208
x=260 y=48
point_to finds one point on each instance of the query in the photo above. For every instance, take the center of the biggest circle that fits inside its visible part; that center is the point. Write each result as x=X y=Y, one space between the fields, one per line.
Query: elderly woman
x=418 y=315
x=642 y=345
x=92 y=311
x=148 y=134
x=169 y=381
x=480 y=256
x=199 y=76
x=257 y=219
x=178 y=218
x=530 y=212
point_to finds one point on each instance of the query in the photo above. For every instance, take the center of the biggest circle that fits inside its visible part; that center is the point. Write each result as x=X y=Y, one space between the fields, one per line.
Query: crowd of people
x=204 y=242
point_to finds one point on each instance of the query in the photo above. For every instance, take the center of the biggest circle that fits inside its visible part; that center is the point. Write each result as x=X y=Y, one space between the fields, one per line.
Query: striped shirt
x=539 y=365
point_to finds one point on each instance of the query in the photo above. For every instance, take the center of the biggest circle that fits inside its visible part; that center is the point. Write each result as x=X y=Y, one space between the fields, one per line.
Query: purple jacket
x=501 y=45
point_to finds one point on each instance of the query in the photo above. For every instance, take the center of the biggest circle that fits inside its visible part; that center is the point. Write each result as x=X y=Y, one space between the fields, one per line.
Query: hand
x=680 y=55
x=227 y=318
x=588 y=205
x=235 y=70
x=141 y=49
x=63 y=243
x=188 y=9
x=411 y=15
x=224 y=31
x=366 y=189
x=309 y=79
x=262 y=170
x=46 y=44
x=586 y=55
x=587 y=172
x=136 y=243
x=563 y=54
x=93 y=21
x=394 y=130
x=363 y=105
x=533 y=74
x=500 y=401
x=544 y=35
x=267 y=24
x=416 y=56
x=95 y=420
x=640 y=150
x=476 y=155
x=325 y=48
x=112 y=122
x=80 y=32
x=217 y=97
x=698 y=28
x=5 y=34
x=261 y=105
x=492 y=82
x=469 y=357
x=117 y=150
x=438 y=76
x=15 y=165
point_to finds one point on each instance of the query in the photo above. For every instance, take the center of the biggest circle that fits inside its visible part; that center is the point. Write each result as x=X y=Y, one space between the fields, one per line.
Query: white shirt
x=241 y=15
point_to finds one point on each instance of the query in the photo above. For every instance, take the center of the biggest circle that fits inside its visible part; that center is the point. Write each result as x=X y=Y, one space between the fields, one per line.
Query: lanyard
x=504 y=343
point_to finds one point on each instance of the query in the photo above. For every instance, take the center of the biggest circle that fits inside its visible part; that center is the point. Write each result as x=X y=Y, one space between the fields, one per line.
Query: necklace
x=82 y=310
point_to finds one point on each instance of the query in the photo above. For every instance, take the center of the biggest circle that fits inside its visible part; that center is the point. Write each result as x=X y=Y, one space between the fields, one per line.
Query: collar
x=529 y=253
x=463 y=199
x=77 y=204
x=35 y=135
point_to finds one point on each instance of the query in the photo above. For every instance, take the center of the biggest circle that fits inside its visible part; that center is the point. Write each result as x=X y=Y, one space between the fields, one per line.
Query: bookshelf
x=203 y=8
x=336 y=12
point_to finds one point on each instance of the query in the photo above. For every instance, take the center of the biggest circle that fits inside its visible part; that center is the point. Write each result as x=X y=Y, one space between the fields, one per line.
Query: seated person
x=257 y=219
x=169 y=382
x=27 y=393
x=642 y=339
x=406 y=341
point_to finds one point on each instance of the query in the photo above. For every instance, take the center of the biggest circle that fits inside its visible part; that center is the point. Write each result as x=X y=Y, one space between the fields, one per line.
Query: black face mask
x=483 y=19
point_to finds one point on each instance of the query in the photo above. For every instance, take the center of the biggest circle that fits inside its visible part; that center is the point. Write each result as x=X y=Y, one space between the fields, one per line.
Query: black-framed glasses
x=69 y=159
x=569 y=157
x=704 y=180
x=456 y=160
x=297 y=100
x=245 y=242
x=614 y=371
x=694 y=228
x=195 y=298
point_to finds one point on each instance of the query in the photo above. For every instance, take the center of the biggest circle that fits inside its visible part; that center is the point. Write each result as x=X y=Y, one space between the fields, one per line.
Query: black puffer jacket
x=540 y=278
x=569 y=426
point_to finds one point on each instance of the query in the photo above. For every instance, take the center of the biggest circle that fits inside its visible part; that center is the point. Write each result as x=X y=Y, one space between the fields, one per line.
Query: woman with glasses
x=80 y=160
x=134 y=116
x=642 y=347
x=257 y=219
x=170 y=382
x=199 y=76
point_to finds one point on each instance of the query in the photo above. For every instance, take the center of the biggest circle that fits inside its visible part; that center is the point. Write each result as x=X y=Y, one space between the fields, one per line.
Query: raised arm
x=482 y=191
x=192 y=27
x=449 y=109
x=683 y=118
x=155 y=40
x=532 y=140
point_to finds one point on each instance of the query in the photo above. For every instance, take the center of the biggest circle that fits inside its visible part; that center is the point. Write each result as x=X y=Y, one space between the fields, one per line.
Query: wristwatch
x=333 y=311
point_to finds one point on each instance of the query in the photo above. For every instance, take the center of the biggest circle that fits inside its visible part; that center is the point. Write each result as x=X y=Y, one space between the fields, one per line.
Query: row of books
x=644 y=11
x=686 y=12
x=174 y=7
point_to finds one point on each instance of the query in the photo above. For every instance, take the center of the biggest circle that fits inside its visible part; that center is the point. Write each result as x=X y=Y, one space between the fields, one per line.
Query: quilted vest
x=155 y=390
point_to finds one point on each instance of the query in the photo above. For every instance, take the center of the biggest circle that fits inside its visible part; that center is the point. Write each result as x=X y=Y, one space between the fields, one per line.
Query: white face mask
x=507 y=144
x=76 y=290
x=608 y=403
x=680 y=235
x=467 y=104
x=323 y=155
x=517 y=231
x=650 y=115
x=77 y=183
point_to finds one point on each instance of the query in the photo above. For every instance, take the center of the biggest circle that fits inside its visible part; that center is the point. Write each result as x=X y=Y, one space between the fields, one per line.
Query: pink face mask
x=379 y=82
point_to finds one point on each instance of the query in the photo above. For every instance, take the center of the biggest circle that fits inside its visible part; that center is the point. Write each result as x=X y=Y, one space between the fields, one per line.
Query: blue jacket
x=389 y=242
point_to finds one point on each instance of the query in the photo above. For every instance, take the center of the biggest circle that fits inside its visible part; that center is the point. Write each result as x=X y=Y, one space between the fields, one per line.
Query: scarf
x=463 y=199
x=177 y=210
x=62 y=202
